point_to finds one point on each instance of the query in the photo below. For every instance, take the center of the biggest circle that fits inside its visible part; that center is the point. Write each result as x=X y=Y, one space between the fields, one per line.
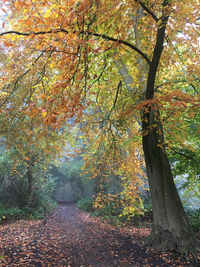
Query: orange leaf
x=3 y=10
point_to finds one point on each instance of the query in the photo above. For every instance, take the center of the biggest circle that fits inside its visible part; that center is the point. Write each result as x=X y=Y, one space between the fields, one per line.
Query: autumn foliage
x=109 y=67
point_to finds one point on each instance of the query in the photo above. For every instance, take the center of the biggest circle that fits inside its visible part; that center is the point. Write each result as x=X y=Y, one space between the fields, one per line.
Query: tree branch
x=103 y=36
x=29 y=33
x=118 y=88
x=19 y=78
x=157 y=53
x=119 y=41
x=179 y=152
x=147 y=10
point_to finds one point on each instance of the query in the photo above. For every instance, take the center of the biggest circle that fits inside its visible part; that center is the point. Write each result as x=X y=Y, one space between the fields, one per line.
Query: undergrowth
x=113 y=214
x=9 y=214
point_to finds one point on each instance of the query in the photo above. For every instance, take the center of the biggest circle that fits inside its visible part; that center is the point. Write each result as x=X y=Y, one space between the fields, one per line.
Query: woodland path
x=69 y=237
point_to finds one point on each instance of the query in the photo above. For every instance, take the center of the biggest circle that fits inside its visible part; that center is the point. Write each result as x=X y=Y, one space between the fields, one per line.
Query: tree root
x=186 y=244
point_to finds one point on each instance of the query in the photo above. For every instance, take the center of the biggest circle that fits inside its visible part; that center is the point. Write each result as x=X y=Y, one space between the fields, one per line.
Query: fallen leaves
x=70 y=237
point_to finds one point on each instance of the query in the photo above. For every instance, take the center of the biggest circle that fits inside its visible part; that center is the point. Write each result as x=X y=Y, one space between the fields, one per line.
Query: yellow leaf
x=44 y=114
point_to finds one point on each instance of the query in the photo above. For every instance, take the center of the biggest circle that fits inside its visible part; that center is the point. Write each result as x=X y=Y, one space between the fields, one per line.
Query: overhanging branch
x=119 y=41
x=103 y=36
x=28 y=33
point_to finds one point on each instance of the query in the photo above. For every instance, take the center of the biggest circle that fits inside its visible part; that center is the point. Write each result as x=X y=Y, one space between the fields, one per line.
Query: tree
x=84 y=42
x=28 y=187
x=30 y=144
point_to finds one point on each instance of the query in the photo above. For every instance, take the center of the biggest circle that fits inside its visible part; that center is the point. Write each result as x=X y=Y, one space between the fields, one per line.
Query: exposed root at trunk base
x=164 y=240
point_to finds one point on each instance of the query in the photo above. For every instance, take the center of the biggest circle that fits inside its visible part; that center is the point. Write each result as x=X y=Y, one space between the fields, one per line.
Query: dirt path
x=70 y=237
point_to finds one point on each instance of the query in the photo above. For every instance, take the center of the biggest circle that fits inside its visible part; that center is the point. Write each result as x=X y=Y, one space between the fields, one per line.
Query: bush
x=194 y=219
x=147 y=205
x=9 y=213
x=85 y=204
x=109 y=211
x=112 y=214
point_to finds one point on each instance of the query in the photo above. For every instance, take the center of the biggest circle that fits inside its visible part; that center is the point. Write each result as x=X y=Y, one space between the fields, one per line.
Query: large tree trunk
x=171 y=230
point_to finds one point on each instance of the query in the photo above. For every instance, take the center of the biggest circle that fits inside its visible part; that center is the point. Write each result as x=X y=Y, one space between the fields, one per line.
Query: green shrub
x=85 y=204
x=9 y=213
x=110 y=210
x=194 y=219
x=111 y=213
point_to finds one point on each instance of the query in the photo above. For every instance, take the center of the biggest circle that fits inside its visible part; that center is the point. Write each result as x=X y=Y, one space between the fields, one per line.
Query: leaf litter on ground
x=70 y=237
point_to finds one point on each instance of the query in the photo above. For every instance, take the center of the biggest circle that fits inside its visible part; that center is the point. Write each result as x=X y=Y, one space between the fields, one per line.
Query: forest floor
x=72 y=238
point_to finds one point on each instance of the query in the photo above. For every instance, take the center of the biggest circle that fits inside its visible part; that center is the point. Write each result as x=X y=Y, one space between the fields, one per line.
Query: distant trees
x=19 y=189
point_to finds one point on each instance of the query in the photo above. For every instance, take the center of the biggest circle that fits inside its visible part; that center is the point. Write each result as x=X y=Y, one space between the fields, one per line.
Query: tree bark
x=171 y=230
